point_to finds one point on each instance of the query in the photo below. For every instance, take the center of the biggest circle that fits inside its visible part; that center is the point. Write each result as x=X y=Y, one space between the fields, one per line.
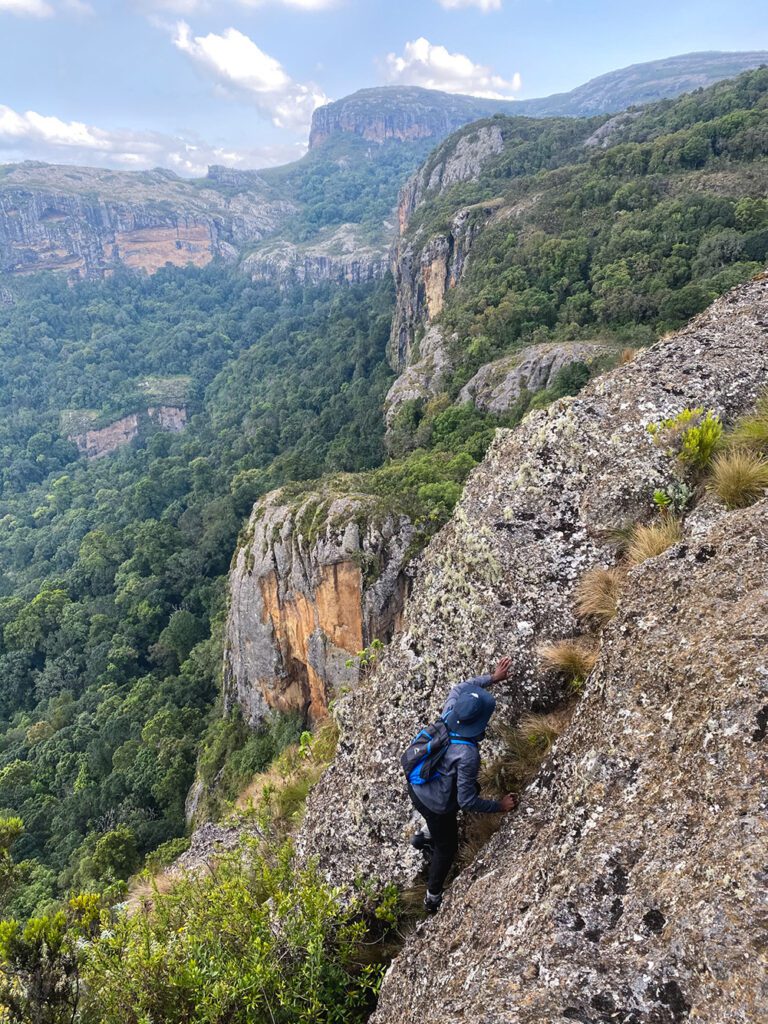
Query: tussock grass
x=574 y=659
x=739 y=477
x=627 y=355
x=597 y=595
x=751 y=432
x=649 y=541
x=522 y=750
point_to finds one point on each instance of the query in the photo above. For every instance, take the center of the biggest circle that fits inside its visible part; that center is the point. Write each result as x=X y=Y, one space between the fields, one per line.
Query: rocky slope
x=535 y=516
x=339 y=255
x=313 y=583
x=628 y=885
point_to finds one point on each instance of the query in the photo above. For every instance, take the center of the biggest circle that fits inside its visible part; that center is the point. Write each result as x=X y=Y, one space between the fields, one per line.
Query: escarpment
x=500 y=577
x=628 y=885
x=89 y=222
x=313 y=584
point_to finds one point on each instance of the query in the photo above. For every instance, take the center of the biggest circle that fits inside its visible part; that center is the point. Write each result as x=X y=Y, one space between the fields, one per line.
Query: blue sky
x=184 y=83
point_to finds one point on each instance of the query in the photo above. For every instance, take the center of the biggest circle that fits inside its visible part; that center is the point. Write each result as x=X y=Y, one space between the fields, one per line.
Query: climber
x=454 y=785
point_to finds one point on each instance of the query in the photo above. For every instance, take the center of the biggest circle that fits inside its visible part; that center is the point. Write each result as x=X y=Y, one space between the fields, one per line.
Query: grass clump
x=597 y=595
x=522 y=749
x=573 y=658
x=649 y=541
x=751 y=432
x=739 y=477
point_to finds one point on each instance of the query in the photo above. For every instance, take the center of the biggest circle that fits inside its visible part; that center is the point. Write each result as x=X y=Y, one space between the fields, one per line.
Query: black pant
x=444 y=830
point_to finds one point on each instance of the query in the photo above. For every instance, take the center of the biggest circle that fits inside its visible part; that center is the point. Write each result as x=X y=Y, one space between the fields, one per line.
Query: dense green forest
x=628 y=240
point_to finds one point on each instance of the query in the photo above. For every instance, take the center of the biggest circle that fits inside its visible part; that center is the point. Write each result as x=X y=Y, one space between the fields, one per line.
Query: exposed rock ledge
x=95 y=444
x=312 y=585
x=627 y=887
x=500 y=577
x=341 y=257
x=497 y=386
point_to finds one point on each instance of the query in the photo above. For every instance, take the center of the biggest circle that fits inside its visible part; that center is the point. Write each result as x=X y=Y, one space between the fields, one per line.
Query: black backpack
x=424 y=753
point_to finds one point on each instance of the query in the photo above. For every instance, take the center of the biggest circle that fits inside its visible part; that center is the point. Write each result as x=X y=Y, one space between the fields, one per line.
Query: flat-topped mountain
x=407 y=114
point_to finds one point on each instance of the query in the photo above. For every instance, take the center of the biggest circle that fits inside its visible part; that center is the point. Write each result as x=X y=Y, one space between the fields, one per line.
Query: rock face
x=497 y=386
x=627 y=886
x=311 y=586
x=341 y=256
x=88 y=222
x=425 y=272
x=422 y=379
x=399 y=114
x=499 y=579
x=97 y=443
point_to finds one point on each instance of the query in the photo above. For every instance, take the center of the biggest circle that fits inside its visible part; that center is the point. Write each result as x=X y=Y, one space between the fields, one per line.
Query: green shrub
x=265 y=942
x=692 y=435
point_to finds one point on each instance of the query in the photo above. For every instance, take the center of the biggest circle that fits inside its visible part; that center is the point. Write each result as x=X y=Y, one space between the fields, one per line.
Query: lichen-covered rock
x=497 y=386
x=209 y=843
x=313 y=584
x=629 y=885
x=499 y=578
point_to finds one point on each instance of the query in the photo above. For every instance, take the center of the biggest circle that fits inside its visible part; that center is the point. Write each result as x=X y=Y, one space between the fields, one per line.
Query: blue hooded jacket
x=455 y=785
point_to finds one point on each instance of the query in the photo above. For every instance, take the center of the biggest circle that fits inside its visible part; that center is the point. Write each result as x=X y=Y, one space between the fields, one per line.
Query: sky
x=134 y=84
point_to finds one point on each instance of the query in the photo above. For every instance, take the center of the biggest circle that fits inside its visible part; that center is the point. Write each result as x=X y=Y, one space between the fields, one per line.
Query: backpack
x=426 y=750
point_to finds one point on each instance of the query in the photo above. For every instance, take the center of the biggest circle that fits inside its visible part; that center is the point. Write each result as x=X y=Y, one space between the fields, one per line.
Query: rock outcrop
x=535 y=516
x=97 y=442
x=497 y=386
x=423 y=379
x=312 y=585
x=89 y=222
x=628 y=886
x=340 y=256
x=424 y=272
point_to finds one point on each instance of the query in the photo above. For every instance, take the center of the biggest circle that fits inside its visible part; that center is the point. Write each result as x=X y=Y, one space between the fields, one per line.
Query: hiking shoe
x=432 y=902
x=422 y=842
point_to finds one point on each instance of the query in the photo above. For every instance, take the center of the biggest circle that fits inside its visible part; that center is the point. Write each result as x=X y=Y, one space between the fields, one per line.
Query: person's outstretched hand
x=501 y=671
x=509 y=803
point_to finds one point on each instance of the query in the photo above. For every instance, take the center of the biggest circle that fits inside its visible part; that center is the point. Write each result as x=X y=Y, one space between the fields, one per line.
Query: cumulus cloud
x=484 y=5
x=28 y=8
x=434 y=67
x=238 y=66
x=45 y=137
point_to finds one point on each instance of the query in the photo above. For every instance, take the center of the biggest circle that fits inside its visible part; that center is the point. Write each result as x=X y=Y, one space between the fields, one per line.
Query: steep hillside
x=327 y=217
x=627 y=886
x=538 y=514
x=517 y=232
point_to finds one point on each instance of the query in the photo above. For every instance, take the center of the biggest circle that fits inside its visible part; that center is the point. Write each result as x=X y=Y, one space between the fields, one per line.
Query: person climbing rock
x=453 y=785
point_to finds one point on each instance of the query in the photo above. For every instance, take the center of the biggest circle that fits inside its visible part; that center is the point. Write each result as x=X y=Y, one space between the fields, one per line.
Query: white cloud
x=27 y=8
x=433 y=67
x=484 y=5
x=237 y=65
x=31 y=135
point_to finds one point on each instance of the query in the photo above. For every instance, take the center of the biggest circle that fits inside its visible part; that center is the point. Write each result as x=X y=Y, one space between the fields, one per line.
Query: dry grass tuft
x=627 y=355
x=575 y=658
x=739 y=477
x=752 y=431
x=597 y=595
x=649 y=541
x=523 y=748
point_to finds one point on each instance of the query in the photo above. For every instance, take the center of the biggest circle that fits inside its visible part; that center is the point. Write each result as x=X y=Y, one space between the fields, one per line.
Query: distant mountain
x=408 y=114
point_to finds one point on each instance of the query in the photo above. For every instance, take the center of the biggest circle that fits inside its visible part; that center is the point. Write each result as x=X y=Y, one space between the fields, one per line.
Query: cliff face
x=627 y=886
x=88 y=222
x=499 y=579
x=340 y=256
x=312 y=585
x=97 y=443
